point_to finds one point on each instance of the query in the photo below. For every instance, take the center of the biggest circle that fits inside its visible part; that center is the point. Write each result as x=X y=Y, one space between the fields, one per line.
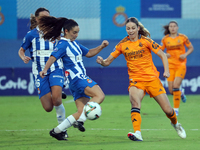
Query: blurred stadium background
x=98 y=20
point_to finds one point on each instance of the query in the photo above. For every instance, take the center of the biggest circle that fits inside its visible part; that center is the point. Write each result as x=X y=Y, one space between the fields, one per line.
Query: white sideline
x=97 y=129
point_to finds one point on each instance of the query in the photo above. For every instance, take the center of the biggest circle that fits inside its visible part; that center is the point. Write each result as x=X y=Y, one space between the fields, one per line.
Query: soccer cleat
x=135 y=136
x=179 y=129
x=65 y=134
x=79 y=125
x=64 y=96
x=183 y=97
x=58 y=136
x=177 y=113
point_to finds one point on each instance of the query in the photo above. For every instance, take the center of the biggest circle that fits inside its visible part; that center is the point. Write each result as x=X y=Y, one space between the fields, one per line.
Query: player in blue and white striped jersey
x=49 y=88
x=81 y=86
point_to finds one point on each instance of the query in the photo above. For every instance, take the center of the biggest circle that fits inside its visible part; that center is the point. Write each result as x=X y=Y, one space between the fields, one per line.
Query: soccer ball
x=92 y=110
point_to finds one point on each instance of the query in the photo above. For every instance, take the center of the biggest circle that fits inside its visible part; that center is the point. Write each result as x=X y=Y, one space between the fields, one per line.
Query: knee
x=101 y=98
x=57 y=100
x=48 y=108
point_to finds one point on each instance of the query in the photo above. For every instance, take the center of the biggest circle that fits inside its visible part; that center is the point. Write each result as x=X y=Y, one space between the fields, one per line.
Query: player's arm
x=105 y=62
x=50 y=61
x=22 y=55
x=163 y=57
x=92 y=52
x=189 y=51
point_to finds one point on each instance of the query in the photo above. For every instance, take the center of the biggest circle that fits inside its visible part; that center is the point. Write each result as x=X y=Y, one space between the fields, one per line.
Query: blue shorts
x=77 y=88
x=43 y=85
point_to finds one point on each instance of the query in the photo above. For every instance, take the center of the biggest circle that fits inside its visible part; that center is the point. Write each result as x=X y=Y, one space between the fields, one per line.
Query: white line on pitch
x=95 y=129
x=69 y=101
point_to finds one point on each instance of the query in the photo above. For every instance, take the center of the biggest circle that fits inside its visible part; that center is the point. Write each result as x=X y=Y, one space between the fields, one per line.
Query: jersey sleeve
x=117 y=51
x=84 y=49
x=26 y=43
x=187 y=41
x=163 y=46
x=59 y=51
x=155 y=47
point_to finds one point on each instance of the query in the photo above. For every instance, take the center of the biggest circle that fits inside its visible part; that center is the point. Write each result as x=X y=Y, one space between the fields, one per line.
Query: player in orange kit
x=143 y=75
x=175 y=43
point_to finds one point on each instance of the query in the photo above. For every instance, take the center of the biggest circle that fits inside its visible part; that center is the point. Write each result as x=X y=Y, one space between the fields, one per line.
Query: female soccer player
x=175 y=43
x=49 y=88
x=143 y=75
x=71 y=52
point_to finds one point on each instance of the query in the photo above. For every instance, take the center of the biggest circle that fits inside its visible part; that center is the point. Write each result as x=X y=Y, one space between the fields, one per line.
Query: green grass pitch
x=25 y=125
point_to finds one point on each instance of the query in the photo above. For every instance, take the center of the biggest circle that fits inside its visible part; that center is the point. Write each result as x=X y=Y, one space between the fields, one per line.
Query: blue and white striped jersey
x=40 y=51
x=71 y=53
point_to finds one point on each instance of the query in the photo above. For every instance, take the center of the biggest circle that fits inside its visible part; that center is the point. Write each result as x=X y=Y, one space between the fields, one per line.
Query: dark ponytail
x=52 y=27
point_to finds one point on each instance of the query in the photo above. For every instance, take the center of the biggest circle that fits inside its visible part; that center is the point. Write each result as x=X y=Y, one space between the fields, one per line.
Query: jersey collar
x=62 y=38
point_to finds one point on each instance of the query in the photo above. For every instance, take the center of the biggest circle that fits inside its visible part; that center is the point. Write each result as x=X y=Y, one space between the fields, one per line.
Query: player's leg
x=179 y=76
x=177 y=94
x=164 y=103
x=136 y=95
x=44 y=92
x=70 y=120
x=96 y=93
x=56 y=80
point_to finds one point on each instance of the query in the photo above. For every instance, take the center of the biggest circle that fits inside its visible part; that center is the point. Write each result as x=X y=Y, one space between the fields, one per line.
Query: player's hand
x=168 y=55
x=166 y=74
x=104 y=43
x=26 y=59
x=99 y=60
x=183 y=56
x=42 y=73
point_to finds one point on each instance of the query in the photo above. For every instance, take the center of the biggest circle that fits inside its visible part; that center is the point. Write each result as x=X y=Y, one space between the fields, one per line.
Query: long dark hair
x=166 y=27
x=33 y=22
x=52 y=27
x=143 y=31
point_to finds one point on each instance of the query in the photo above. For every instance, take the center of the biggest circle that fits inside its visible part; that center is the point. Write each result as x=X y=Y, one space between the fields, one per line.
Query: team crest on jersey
x=140 y=44
x=155 y=45
x=66 y=73
x=178 y=41
x=55 y=49
x=89 y=80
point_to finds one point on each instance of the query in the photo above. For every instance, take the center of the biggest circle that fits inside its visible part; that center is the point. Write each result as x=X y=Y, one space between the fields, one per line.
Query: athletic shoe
x=135 y=136
x=79 y=125
x=58 y=136
x=183 y=97
x=65 y=134
x=64 y=96
x=177 y=113
x=179 y=129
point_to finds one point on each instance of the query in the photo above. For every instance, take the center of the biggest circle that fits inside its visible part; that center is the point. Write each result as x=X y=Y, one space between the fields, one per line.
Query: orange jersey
x=138 y=56
x=175 y=47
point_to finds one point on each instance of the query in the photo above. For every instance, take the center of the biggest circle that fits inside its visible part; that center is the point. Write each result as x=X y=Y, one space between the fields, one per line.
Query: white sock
x=65 y=124
x=82 y=117
x=60 y=112
x=138 y=132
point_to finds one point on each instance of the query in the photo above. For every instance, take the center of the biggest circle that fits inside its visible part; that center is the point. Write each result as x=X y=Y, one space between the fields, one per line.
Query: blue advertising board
x=160 y=9
x=112 y=80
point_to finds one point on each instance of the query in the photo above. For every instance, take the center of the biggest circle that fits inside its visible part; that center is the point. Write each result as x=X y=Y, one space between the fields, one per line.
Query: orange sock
x=136 y=119
x=172 y=117
x=176 y=97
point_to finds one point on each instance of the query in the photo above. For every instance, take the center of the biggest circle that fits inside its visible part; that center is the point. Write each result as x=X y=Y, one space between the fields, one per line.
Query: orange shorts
x=177 y=72
x=153 y=88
